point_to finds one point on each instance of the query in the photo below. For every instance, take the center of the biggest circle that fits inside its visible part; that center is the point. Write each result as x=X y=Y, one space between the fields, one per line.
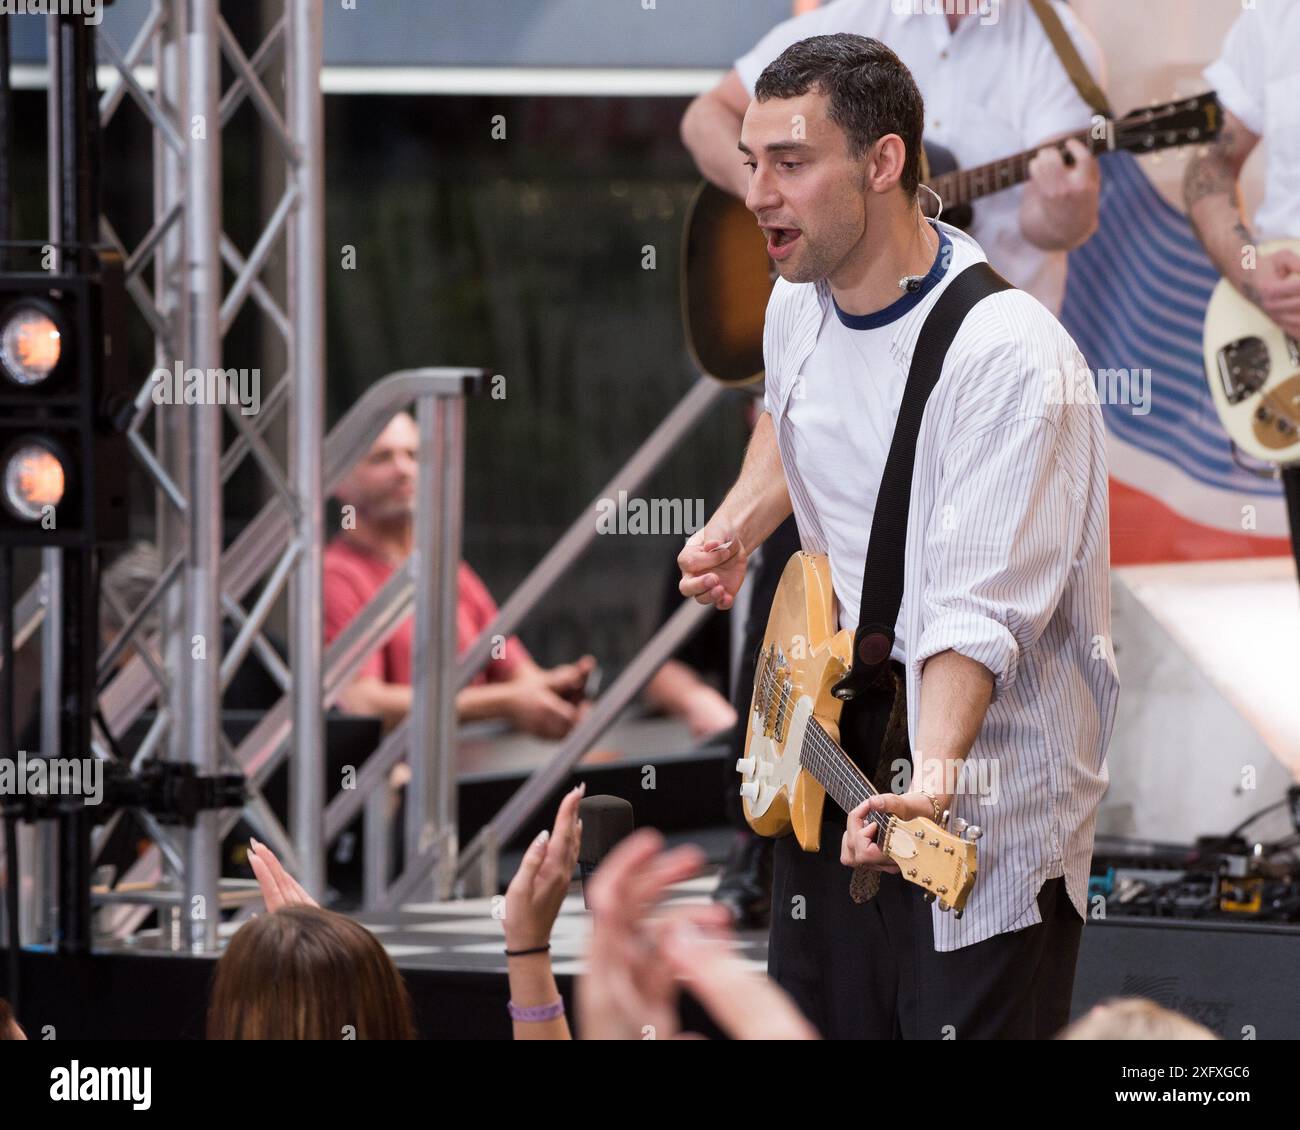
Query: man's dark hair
x=868 y=90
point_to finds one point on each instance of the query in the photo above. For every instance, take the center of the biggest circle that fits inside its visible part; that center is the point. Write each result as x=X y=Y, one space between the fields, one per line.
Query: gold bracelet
x=934 y=800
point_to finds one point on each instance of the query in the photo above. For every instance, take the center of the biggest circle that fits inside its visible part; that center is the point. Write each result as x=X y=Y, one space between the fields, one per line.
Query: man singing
x=1002 y=643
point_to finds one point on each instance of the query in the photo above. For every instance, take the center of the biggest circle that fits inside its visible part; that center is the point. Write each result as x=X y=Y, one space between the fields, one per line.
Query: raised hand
x=535 y=893
x=279 y=888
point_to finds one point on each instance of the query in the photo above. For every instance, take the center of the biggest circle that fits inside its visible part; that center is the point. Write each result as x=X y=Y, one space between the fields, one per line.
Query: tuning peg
x=960 y=825
x=928 y=896
x=749 y=790
x=945 y=907
x=746 y=765
x=973 y=832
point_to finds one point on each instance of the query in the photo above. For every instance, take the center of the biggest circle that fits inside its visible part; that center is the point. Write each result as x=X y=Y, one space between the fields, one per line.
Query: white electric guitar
x=1253 y=368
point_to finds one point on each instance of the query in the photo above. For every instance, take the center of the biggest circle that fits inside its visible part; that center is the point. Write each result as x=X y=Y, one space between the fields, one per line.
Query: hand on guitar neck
x=858 y=847
x=713 y=563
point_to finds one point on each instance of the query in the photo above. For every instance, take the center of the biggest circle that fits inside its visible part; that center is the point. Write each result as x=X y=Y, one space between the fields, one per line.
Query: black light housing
x=64 y=404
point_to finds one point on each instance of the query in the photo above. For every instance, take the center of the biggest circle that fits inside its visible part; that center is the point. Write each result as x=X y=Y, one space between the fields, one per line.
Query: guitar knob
x=745 y=766
x=749 y=790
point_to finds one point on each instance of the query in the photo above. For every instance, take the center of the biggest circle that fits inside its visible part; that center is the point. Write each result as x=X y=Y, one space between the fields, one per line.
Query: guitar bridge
x=772 y=692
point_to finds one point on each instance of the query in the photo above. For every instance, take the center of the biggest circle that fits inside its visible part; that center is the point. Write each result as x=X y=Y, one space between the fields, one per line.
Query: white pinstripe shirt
x=1007 y=562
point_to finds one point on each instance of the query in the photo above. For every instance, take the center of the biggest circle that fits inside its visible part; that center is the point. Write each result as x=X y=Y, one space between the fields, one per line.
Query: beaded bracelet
x=536 y=1013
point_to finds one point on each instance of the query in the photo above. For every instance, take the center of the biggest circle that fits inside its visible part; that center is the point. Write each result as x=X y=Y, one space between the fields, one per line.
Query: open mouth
x=779 y=240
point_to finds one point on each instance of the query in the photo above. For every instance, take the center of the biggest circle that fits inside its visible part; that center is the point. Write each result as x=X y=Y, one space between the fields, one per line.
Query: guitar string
x=831 y=760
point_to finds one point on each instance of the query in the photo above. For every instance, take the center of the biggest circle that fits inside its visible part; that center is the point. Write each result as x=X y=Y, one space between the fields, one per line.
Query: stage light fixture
x=34 y=479
x=31 y=343
x=66 y=399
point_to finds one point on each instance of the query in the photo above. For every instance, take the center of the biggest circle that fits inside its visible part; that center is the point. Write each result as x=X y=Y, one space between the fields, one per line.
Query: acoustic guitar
x=726 y=276
x=792 y=752
x=1253 y=368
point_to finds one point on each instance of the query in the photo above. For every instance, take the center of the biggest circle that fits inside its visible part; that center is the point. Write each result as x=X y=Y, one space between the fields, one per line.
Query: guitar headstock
x=936 y=860
x=1188 y=121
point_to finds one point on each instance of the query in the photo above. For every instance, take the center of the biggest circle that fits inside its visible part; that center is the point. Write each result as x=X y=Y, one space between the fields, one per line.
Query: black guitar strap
x=882 y=577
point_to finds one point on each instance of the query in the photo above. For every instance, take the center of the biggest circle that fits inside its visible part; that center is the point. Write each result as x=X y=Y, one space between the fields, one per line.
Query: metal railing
x=438 y=394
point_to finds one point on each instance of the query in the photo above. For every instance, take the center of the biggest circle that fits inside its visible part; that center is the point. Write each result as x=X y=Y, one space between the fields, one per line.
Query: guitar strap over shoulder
x=882 y=578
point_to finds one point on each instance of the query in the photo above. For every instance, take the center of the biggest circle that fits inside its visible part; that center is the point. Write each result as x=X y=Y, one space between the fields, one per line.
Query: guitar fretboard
x=961 y=186
x=832 y=768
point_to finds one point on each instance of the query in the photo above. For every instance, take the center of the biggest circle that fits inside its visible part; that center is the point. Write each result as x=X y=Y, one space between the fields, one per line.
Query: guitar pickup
x=1243 y=368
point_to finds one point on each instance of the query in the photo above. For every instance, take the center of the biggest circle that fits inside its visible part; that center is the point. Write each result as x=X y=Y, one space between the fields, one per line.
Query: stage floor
x=463 y=936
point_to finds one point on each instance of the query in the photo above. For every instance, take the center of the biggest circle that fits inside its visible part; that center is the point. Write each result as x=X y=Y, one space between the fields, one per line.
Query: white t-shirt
x=991 y=89
x=843 y=414
x=1258 y=78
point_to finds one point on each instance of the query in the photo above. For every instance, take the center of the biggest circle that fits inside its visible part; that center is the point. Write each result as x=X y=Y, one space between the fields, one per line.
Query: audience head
x=303 y=973
x=382 y=484
x=1133 y=1018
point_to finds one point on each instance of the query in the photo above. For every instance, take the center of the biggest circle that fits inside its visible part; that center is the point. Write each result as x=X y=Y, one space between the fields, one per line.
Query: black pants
x=870 y=971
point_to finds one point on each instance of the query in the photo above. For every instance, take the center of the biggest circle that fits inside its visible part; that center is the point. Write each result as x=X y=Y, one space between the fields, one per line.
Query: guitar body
x=803 y=609
x=1253 y=369
x=792 y=753
x=726 y=280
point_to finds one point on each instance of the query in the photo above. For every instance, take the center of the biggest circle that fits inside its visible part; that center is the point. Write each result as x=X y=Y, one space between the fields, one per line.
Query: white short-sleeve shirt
x=992 y=88
x=1258 y=78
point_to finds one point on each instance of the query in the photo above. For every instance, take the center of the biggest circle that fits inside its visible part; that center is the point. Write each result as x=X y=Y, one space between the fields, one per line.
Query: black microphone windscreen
x=605 y=821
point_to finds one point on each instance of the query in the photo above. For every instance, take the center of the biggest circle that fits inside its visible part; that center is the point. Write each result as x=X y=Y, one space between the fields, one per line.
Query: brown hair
x=869 y=92
x=8 y=1025
x=302 y=973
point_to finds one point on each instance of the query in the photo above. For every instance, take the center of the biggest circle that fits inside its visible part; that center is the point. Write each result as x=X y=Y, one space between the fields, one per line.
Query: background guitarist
x=992 y=86
x=1005 y=621
x=1258 y=82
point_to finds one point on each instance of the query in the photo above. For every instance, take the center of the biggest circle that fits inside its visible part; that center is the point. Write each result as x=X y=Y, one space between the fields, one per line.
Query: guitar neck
x=961 y=186
x=832 y=768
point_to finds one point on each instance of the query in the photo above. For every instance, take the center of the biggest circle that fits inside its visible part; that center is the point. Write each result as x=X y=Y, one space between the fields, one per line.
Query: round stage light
x=31 y=345
x=34 y=478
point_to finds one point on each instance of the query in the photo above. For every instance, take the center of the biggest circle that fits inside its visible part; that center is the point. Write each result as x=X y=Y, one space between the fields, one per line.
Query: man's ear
x=885 y=165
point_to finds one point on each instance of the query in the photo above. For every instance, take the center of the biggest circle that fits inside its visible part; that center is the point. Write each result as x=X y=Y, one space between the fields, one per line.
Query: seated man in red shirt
x=379 y=500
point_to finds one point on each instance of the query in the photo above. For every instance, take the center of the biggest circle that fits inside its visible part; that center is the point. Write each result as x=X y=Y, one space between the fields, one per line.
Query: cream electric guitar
x=792 y=754
x=1254 y=372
